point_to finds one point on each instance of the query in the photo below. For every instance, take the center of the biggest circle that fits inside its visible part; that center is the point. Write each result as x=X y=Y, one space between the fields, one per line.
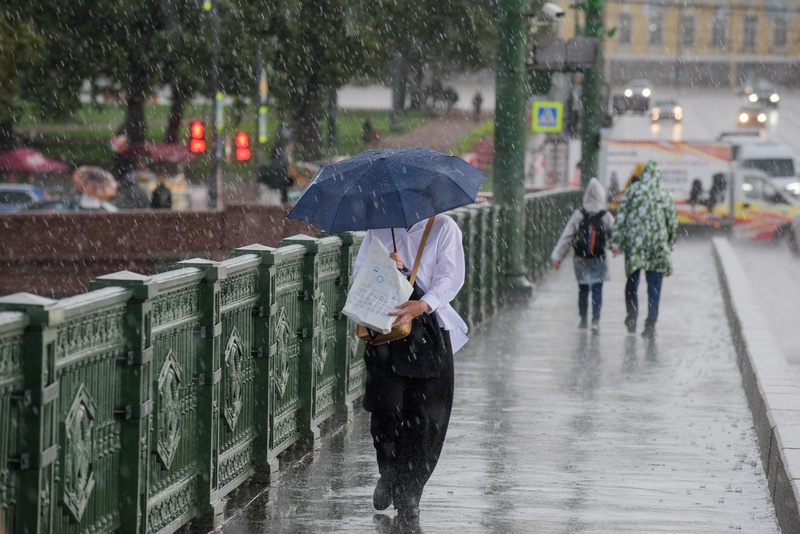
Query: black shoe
x=649 y=330
x=631 y=325
x=382 y=496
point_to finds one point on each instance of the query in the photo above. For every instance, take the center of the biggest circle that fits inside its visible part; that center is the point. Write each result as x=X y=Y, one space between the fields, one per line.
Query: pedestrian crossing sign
x=547 y=117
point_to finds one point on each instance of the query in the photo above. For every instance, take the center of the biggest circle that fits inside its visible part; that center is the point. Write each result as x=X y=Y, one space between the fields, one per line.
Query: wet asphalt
x=558 y=430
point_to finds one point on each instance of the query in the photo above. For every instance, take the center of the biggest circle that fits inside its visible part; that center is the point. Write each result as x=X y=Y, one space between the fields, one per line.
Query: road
x=708 y=113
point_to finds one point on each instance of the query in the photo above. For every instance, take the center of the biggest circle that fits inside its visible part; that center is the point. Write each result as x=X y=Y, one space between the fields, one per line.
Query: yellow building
x=700 y=42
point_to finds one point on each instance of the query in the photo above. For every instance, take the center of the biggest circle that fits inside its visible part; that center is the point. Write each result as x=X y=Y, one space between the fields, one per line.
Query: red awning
x=29 y=160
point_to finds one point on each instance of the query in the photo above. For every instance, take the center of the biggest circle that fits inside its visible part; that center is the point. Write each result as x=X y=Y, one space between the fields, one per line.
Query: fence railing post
x=348 y=348
x=209 y=376
x=38 y=441
x=136 y=396
x=264 y=351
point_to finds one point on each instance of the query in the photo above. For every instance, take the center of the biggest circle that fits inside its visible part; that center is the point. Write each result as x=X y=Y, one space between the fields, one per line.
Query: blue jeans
x=597 y=301
x=654 y=280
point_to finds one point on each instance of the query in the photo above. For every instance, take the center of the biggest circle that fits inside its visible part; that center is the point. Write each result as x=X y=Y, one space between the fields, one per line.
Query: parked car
x=14 y=197
x=761 y=92
x=752 y=117
x=666 y=110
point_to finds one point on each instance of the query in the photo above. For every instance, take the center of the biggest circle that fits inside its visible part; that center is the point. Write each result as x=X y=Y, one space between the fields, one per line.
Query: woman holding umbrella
x=411 y=409
x=400 y=196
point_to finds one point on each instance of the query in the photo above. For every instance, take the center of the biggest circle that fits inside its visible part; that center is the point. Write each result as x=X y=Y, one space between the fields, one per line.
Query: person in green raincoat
x=645 y=231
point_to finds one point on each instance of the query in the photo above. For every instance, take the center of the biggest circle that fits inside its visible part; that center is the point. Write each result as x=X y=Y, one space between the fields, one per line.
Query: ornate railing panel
x=349 y=349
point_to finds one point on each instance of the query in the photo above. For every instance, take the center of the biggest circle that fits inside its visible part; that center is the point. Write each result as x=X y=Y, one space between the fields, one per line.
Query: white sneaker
x=595 y=328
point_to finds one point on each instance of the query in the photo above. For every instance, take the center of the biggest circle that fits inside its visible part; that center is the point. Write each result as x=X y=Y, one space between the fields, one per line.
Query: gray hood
x=594 y=198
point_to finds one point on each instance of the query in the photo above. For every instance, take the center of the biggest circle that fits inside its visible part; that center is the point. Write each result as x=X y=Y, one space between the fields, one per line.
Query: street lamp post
x=509 y=159
x=215 y=180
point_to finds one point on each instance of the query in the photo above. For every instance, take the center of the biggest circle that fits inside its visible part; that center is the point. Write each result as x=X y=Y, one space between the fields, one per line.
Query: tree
x=437 y=35
x=19 y=43
x=321 y=45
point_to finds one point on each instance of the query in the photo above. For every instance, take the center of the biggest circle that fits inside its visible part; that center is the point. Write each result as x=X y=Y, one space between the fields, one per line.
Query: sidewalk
x=440 y=133
x=555 y=430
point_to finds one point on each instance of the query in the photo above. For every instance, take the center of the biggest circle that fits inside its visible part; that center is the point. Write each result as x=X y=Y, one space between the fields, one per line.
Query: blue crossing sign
x=547 y=117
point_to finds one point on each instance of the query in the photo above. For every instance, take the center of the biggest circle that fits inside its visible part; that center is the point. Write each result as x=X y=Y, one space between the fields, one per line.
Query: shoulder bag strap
x=421 y=248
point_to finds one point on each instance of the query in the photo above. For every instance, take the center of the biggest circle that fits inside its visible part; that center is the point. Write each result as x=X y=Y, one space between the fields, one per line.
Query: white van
x=775 y=160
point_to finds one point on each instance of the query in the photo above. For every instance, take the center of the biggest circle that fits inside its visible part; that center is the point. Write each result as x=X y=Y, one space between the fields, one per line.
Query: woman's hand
x=557 y=265
x=407 y=311
x=397 y=261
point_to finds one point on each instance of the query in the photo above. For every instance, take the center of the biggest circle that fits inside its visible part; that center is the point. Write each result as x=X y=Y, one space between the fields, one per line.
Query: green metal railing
x=138 y=406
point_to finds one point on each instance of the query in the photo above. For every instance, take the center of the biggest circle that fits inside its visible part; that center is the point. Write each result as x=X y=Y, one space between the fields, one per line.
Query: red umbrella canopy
x=164 y=152
x=29 y=160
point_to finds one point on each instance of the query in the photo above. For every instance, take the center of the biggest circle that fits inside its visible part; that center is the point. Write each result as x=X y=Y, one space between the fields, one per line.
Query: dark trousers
x=654 y=280
x=597 y=301
x=408 y=425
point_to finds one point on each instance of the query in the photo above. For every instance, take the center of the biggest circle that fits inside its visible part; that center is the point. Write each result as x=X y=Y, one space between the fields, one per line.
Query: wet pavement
x=557 y=430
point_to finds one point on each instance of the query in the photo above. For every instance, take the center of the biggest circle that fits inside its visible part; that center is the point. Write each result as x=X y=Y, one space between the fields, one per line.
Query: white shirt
x=441 y=270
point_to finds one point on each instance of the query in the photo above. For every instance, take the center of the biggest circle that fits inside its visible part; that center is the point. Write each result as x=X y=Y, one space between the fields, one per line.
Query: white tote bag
x=377 y=290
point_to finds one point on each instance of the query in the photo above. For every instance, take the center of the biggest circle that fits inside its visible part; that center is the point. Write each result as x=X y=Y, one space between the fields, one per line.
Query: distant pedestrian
x=586 y=233
x=131 y=196
x=645 y=231
x=477 y=101
x=162 y=196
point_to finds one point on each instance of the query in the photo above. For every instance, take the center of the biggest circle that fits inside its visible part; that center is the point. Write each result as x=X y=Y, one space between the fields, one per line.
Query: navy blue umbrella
x=387 y=189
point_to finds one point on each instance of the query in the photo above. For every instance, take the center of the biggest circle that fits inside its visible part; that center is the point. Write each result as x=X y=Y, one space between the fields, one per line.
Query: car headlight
x=762 y=118
x=677 y=110
x=743 y=117
x=753 y=97
x=774 y=97
x=645 y=92
x=793 y=188
x=628 y=93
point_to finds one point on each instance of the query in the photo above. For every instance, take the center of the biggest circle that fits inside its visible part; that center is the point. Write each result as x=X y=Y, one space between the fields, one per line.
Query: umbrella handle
x=394 y=243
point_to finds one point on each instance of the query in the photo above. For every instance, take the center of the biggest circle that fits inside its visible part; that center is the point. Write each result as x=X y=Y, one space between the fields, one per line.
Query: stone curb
x=771 y=389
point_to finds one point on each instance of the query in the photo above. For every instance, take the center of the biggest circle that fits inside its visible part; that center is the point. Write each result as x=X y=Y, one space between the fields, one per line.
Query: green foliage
x=19 y=45
x=467 y=143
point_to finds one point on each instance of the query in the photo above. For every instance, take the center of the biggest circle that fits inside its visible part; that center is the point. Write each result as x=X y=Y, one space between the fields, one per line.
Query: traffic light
x=242 y=147
x=197 y=137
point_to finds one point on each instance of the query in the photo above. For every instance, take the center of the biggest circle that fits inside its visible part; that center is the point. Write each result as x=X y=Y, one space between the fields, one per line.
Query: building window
x=779 y=34
x=719 y=32
x=654 y=30
x=625 y=29
x=686 y=30
x=749 y=33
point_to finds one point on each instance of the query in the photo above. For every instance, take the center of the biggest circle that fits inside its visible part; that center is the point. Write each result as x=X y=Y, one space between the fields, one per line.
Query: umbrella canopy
x=95 y=182
x=387 y=189
x=164 y=152
x=29 y=160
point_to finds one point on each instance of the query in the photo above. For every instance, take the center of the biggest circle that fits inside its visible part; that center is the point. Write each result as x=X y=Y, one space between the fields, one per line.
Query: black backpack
x=274 y=174
x=590 y=241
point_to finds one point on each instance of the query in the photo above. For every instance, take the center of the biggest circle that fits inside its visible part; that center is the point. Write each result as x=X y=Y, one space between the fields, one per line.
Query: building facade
x=712 y=43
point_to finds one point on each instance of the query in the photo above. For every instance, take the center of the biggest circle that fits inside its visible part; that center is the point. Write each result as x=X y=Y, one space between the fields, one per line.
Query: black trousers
x=409 y=423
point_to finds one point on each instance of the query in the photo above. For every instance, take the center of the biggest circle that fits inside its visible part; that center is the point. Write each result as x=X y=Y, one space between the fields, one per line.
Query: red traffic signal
x=242 y=147
x=197 y=137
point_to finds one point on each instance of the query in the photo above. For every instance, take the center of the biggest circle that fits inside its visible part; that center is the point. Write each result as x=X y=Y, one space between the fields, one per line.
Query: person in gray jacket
x=586 y=234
